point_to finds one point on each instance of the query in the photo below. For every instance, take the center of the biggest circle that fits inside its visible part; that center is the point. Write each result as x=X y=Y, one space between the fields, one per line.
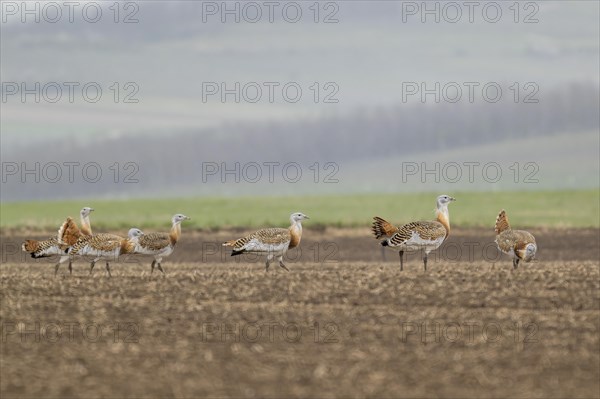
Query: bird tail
x=230 y=243
x=68 y=233
x=40 y=249
x=236 y=252
x=30 y=246
x=234 y=243
x=382 y=228
x=501 y=222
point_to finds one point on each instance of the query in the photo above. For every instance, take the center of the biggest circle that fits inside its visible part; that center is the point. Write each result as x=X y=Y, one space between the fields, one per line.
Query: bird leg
x=92 y=264
x=108 y=269
x=269 y=259
x=152 y=266
x=61 y=260
x=425 y=261
x=283 y=264
x=515 y=263
x=70 y=267
x=401 y=260
x=160 y=268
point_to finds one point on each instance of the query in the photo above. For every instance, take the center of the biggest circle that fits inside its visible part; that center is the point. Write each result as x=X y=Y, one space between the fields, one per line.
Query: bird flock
x=72 y=241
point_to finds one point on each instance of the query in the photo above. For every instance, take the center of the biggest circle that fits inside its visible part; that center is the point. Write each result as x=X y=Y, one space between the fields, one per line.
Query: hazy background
x=360 y=142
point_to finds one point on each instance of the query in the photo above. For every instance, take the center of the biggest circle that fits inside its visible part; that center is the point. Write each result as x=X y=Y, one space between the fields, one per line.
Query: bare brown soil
x=343 y=322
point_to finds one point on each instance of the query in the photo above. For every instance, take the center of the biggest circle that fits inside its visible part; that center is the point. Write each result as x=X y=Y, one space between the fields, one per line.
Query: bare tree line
x=161 y=162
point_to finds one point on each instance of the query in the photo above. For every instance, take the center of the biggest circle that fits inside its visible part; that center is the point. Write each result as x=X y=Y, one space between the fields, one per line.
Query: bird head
x=134 y=233
x=178 y=218
x=85 y=211
x=298 y=217
x=444 y=200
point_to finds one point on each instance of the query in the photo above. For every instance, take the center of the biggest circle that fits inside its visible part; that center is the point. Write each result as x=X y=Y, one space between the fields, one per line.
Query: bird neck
x=296 y=224
x=86 y=227
x=443 y=216
x=175 y=232
x=295 y=233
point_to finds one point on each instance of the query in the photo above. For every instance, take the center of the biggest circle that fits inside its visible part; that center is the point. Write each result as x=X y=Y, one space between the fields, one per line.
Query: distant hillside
x=361 y=152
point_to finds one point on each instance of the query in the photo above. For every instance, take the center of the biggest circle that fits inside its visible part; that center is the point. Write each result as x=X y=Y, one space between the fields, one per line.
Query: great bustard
x=519 y=244
x=161 y=245
x=424 y=235
x=273 y=242
x=70 y=231
x=102 y=246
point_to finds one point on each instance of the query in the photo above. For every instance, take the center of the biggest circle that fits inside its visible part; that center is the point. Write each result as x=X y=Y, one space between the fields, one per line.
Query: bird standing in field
x=519 y=244
x=424 y=235
x=51 y=246
x=273 y=242
x=102 y=246
x=161 y=245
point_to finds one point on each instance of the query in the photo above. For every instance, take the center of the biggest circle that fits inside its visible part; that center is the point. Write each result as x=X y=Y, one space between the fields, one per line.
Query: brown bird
x=161 y=245
x=52 y=246
x=423 y=235
x=519 y=244
x=102 y=246
x=273 y=242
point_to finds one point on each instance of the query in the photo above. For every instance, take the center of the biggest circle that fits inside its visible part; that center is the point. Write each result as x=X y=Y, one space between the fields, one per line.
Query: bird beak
x=306 y=217
x=188 y=218
x=452 y=199
x=91 y=209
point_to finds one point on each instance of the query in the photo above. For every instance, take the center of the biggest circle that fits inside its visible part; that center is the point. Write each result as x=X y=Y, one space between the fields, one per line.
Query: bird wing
x=506 y=241
x=513 y=240
x=418 y=233
x=153 y=242
x=96 y=244
x=261 y=240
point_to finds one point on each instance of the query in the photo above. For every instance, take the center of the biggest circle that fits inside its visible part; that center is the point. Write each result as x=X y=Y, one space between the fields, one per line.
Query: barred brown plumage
x=271 y=241
x=271 y=236
x=519 y=244
x=423 y=235
x=161 y=245
x=68 y=233
x=383 y=228
x=41 y=249
x=102 y=246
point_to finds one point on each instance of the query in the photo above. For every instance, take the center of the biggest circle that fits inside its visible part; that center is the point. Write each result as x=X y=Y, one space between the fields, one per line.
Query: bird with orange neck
x=103 y=246
x=161 y=245
x=423 y=235
x=273 y=242
x=69 y=233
